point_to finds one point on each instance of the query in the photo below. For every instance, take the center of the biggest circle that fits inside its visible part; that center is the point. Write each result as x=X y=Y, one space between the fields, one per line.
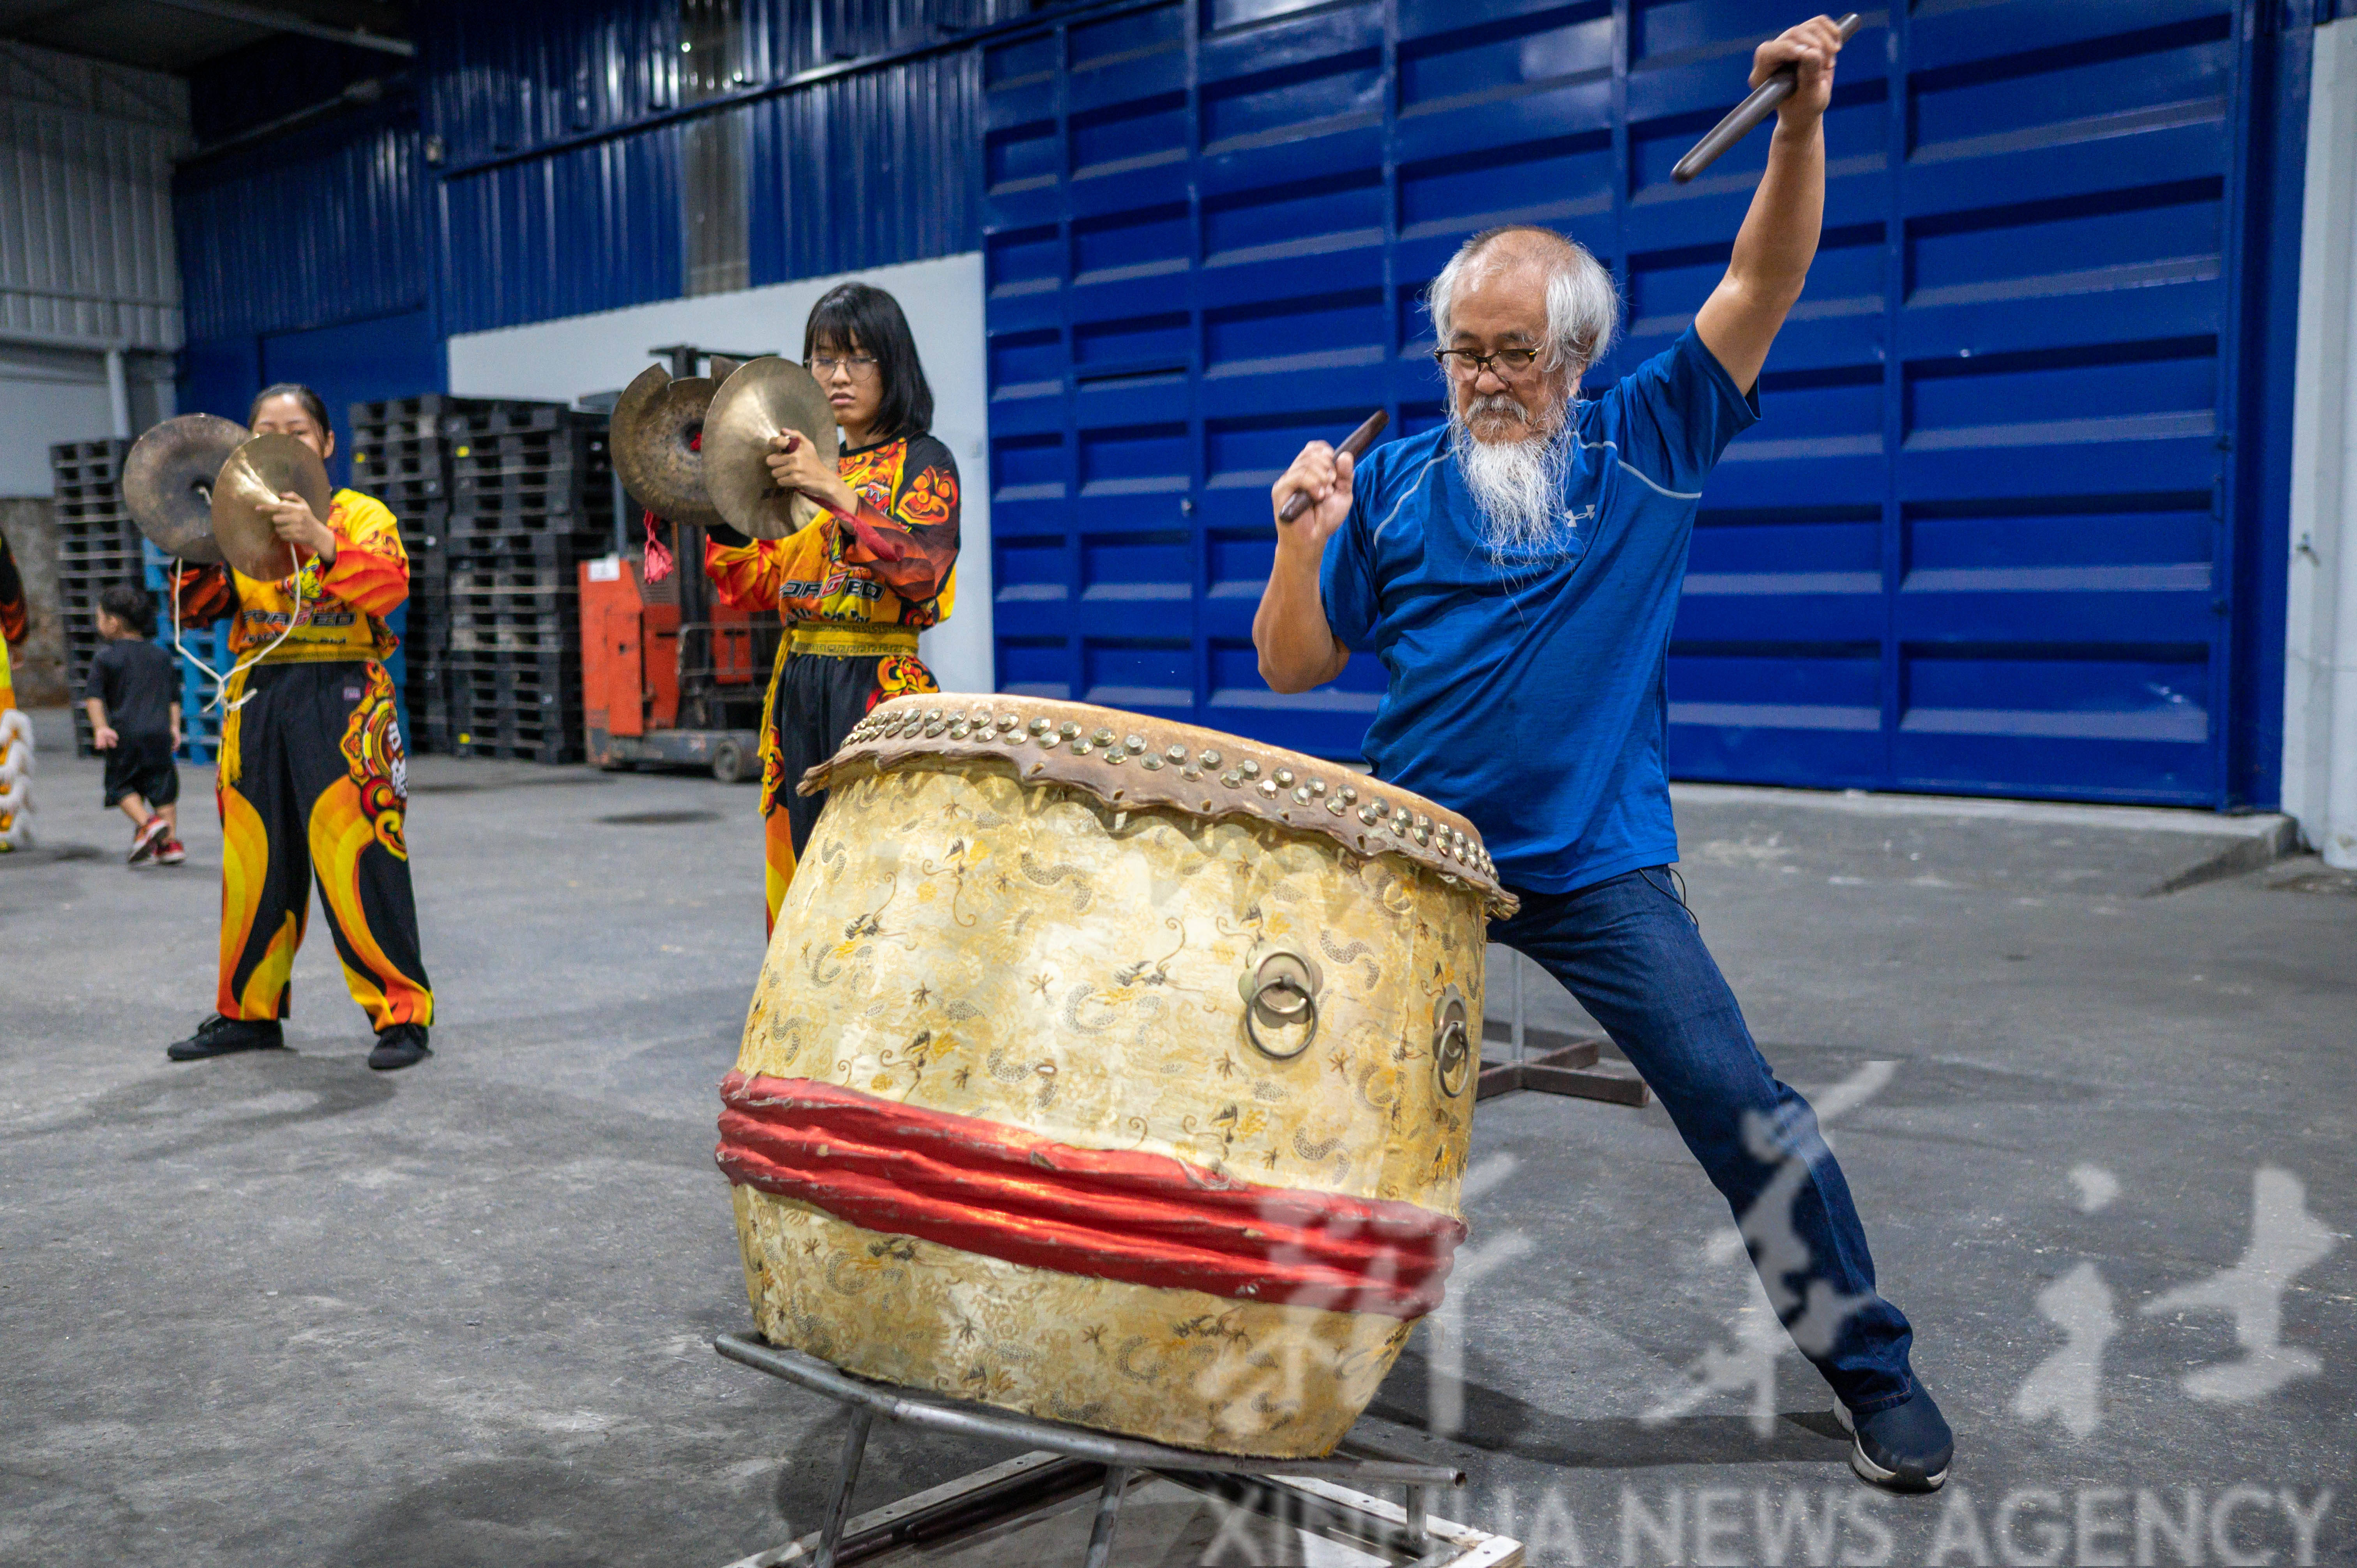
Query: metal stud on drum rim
x=167 y=483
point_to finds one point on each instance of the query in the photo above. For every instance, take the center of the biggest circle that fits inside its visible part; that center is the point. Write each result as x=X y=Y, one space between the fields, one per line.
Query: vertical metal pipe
x=1514 y=961
x=118 y=392
x=846 y=1475
x=1116 y=1482
x=1419 y=1514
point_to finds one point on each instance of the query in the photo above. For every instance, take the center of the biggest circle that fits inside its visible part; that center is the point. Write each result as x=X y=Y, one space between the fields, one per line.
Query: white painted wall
x=581 y=354
x=2319 y=763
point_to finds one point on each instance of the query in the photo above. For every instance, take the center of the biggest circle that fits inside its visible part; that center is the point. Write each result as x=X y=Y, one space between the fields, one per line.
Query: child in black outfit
x=134 y=698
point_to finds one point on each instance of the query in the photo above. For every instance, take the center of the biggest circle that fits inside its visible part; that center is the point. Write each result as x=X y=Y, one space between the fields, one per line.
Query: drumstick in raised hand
x=1357 y=442
x=1745 y=117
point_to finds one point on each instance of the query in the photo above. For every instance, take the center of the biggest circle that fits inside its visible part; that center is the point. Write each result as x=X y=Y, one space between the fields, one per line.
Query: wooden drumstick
x=1357 y=442
x=1745 y=117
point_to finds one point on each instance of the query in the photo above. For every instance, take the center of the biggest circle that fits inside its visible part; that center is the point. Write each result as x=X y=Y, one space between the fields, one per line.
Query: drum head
x=1133 y=762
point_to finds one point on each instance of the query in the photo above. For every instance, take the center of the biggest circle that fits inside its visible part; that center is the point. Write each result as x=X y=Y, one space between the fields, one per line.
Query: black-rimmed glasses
x=1468 y=364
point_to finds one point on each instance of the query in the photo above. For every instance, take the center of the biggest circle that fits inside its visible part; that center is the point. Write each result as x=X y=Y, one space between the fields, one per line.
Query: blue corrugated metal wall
x=559 y=127
x=318 y=239
x=2008 y=526
x=1987 y=537
x=305 y=231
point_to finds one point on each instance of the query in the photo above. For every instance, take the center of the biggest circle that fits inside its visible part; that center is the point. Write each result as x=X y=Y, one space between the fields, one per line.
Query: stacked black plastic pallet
x=523 y=494
x=399 y=455
x=97 y=547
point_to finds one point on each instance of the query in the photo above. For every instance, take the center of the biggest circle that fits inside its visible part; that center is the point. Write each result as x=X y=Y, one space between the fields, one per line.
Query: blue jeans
x=1629 y=951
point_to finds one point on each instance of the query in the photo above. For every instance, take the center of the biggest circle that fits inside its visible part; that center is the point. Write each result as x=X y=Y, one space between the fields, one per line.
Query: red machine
x=668 y=674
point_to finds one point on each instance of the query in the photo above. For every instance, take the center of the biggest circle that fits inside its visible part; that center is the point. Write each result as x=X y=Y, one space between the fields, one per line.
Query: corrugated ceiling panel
x=785 y=38
x=86 y=155
x=308 y=231
x=509 y=77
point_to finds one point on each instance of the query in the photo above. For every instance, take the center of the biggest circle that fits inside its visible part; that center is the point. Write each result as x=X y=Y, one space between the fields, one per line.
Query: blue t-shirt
x=1528 y=694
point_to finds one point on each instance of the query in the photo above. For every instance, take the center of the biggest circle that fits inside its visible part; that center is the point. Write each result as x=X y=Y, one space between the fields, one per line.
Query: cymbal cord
x=220 y=681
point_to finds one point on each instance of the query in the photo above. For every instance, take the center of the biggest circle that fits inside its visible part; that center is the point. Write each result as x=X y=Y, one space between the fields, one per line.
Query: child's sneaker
x=149 y=838
x=172 y=853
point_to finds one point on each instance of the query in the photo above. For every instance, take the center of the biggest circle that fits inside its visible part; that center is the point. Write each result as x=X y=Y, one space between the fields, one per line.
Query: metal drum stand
x=1121 y=1458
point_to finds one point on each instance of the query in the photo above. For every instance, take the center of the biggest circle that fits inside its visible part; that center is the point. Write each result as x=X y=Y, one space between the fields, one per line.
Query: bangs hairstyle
x=858 y=317
x=1583 y=308
x=310 y=400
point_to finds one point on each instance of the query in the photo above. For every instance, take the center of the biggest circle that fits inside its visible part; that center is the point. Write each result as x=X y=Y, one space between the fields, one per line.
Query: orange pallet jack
x=670 y=676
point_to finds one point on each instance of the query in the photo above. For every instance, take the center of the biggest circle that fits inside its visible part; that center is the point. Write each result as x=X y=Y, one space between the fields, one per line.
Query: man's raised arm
x=1779 y=237
x=1297 y=650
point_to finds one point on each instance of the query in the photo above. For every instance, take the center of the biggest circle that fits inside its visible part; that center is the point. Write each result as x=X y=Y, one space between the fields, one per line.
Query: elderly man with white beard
x=1517 y=573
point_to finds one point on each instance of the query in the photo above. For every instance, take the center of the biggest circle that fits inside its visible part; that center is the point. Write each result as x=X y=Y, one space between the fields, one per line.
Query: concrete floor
x=279 y=1309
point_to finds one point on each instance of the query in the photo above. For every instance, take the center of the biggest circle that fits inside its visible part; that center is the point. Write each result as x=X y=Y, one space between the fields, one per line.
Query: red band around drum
x=1150 y=1220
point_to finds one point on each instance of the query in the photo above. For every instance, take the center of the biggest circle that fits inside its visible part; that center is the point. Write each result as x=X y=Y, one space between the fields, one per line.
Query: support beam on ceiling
x=287 y=22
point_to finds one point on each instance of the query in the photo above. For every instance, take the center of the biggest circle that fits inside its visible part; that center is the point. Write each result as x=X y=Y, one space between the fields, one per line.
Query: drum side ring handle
x=1287 y=997
x=1452 y=1046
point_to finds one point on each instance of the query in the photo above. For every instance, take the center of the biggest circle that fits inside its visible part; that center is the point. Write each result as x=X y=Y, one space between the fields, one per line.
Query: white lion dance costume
x=15 y=764
x=16 y=727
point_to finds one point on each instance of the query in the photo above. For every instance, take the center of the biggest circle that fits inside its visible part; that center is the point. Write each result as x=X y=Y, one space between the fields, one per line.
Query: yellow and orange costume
x=855 y=592
x=312 y=778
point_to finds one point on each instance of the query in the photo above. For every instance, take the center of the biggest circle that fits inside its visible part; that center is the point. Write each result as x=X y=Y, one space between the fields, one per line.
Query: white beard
x=1517 y=485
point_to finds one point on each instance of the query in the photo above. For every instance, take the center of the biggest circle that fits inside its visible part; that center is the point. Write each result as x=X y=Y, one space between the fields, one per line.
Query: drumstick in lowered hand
x=1357 y=442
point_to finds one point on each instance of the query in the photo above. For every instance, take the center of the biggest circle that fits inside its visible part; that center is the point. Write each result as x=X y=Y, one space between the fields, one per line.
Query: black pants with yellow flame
x=814 y=699
x=313 y=784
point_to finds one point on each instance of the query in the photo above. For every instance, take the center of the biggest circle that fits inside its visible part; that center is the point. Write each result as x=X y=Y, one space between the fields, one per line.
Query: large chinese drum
x=1111 y=1070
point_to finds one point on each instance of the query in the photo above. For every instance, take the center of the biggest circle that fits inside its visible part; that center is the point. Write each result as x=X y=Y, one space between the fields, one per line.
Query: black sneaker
x=1903 y=1449
x=404 y=1045
x=218 y=1036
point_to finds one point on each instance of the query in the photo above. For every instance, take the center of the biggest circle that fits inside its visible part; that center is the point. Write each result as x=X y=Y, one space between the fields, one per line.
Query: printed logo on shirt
x=1579 y=515
x=275 y=621
x=839 y=583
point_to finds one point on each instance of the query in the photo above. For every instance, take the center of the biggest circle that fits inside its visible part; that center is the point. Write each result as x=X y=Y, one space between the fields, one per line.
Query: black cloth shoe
x=218 y=1036
x=404 y=1045
x=1903 y=1449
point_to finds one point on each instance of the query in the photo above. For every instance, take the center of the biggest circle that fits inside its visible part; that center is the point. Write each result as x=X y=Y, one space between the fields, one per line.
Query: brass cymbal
x=167 y=483
x=764 y=398
x=251 y=481
x=654 y=421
